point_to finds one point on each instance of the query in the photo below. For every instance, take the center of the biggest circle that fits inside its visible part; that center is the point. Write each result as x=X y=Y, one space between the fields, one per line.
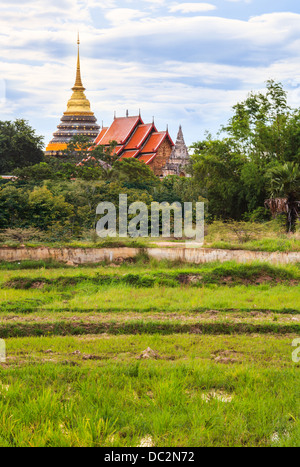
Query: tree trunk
x=292 y=214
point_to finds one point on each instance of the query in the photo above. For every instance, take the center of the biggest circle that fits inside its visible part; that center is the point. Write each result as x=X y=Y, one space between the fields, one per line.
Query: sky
x=183 y=63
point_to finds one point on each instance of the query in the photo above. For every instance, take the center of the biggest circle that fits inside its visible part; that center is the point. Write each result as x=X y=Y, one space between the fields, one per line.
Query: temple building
x=133 y=137
x=139 y=140
x=77 y=120
x=179 y=158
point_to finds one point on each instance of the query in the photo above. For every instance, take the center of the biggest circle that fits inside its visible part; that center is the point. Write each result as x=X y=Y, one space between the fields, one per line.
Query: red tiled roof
x=117 y=150
x=154 y=142
x=147 y=158
x=139 y=136
x=120 y=130
x=129 y=154
x=134 y=139
x=101 y=134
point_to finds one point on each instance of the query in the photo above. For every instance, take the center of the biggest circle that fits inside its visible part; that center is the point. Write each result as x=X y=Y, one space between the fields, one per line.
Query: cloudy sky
x=183 y=62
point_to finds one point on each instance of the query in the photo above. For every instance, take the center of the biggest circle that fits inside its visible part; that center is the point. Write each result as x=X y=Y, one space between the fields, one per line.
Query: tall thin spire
x=77 y=120
x=78 y=82
x=78 y=104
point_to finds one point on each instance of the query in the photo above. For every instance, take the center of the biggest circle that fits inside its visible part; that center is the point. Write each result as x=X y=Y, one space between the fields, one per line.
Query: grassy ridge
x=63 y=328
x=229 y=273
x=268 y=245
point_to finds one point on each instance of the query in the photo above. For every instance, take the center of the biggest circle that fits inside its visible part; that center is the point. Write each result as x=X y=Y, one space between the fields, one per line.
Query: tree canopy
x=262 y=137
x=19 y=146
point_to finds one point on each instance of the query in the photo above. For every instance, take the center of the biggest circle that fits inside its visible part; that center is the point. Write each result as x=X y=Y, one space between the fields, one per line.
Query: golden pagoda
x=77 y=120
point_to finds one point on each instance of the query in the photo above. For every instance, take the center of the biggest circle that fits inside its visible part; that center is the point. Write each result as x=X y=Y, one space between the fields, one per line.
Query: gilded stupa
x=77 y=120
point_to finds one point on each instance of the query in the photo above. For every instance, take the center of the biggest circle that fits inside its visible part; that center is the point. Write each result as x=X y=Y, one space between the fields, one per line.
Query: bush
x=21 y=235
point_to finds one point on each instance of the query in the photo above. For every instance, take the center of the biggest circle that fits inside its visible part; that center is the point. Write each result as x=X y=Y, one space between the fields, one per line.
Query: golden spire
x=78 y=104
x=78 y=82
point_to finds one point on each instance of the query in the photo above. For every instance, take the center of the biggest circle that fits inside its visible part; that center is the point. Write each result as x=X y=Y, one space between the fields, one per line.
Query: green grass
x=72 y=391
x=19 y=265
x=268 y=236
x=98 y=243
x=222 y=333
x=277 y=243
x=153 y=273
x=90 y=297
x=268 y=245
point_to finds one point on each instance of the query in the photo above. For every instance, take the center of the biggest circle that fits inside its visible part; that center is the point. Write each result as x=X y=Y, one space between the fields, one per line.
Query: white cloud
x=123 y=16
x=174 y=92
x=192 y=7
x=187 y=70
x=100 y=4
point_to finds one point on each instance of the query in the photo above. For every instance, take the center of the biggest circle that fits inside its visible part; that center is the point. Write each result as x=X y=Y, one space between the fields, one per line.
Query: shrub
x=21 y=235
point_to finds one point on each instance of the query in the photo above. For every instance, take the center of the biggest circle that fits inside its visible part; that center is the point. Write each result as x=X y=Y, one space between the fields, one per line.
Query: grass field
x=149 y=353
x=254 y=236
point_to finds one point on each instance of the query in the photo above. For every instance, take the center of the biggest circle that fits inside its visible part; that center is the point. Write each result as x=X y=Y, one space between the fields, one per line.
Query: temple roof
x=120 y=130
x=134 y=138
x=156 y=139
x=117 y=150
x=147 y=158
x=129 y=154
x=139 y=136
x=100 y=136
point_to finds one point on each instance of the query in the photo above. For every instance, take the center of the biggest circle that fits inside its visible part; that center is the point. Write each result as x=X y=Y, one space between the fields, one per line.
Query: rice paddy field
x=150 y=354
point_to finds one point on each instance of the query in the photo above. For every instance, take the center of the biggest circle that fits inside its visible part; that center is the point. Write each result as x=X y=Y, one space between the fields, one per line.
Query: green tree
x=174 y=188
x=77 y=149
x=264 y=132
x=47 y=209
x=13 y=207
x=57 y=169
x=261 y=123
x=19 y=146
x=291 y=137
x=35 y=173
x=133 y=173
x=217 y=167
x=284 y=189
x=80 y=149
x=253 y=180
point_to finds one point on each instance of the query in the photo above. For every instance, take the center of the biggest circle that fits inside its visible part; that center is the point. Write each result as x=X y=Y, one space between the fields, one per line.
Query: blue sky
x=185 y=63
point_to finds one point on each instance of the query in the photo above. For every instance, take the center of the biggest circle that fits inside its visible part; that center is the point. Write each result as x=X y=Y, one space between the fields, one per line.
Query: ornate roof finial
x=180 y=137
